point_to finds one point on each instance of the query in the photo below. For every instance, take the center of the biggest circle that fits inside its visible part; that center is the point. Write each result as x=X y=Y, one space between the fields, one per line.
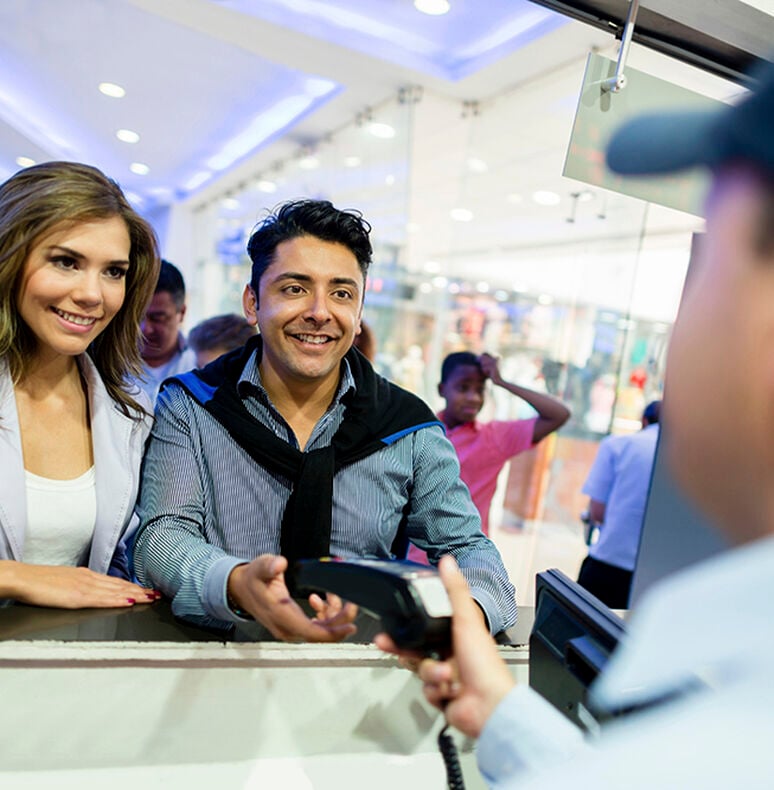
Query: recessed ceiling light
x=309 y=162
x=127 y=136
x=476 y=165
x=230 y=203
x=351 y=161
x=461 y=214
x=139 y=169
x=440 y=281
x=482 y=287
x=432 y=266
x=389 y=180
x=432 y=7
x=381 y=130
x=545 y=299
x=515 y=197
x=112 y=90
x=585 y=195
x=264 y=185
x=545 y=198
x=24 y=161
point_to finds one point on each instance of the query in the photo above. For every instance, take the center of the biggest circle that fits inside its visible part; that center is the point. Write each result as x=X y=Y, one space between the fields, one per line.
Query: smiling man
x=294 y=447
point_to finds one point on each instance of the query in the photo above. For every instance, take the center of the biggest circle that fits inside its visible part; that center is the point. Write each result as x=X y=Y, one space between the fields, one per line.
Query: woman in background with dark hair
x=77 y=268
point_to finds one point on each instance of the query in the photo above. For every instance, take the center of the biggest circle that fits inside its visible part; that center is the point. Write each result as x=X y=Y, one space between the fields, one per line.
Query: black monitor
x=571 y=640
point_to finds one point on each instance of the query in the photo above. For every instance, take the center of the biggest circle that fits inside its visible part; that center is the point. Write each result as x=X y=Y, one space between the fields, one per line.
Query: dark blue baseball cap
x=671 y=141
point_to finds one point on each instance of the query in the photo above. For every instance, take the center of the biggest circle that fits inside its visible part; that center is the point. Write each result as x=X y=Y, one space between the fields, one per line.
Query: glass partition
x=469 y=254
x=363 y=165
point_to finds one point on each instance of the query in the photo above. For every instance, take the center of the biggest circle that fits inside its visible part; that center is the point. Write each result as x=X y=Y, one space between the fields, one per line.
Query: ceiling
x=209 y=83
x=215 y=86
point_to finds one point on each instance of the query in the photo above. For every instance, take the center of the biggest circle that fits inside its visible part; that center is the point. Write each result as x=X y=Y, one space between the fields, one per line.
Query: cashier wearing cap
x=694 y=672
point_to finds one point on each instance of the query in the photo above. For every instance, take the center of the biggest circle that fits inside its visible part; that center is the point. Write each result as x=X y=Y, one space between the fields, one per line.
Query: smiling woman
x=77 y=268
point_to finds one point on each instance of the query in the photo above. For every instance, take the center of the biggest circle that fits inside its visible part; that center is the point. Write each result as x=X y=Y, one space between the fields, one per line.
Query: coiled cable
x=451 y=760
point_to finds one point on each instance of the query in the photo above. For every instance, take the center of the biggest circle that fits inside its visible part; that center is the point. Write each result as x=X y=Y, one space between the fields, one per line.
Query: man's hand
x=469 y=685
x=259 y=588
x=66 y=587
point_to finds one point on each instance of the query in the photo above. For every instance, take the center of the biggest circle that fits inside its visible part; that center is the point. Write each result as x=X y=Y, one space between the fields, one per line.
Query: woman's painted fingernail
x=131 y=600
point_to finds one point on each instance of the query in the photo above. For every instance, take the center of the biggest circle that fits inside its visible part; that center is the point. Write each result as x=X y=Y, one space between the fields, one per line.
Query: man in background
x=164 y=350
x=618 y=486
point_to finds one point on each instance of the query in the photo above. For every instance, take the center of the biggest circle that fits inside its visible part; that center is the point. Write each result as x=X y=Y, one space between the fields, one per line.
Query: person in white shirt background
x=617 y=487
x=696 y=658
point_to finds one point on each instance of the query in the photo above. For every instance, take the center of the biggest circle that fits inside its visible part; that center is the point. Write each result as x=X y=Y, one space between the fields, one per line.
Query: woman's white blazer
x=118 y=443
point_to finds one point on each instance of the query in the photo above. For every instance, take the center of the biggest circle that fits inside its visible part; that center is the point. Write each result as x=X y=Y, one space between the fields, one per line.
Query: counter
x=134 y=698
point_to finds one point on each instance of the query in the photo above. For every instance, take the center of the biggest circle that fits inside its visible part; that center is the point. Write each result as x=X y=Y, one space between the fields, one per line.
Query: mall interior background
x=480 y=242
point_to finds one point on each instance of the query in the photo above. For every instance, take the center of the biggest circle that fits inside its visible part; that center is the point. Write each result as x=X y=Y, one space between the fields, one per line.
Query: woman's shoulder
x=98 y=393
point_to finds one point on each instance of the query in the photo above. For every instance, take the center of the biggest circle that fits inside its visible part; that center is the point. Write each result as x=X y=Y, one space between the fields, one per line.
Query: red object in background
x=638 y=377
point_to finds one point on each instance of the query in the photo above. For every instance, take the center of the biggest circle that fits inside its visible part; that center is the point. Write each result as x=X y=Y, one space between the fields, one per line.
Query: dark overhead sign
x=725 y=38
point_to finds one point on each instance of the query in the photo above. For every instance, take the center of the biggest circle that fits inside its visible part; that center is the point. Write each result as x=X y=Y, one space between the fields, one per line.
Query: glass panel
x=364 y=165
x=582 y=310
x=469 y=254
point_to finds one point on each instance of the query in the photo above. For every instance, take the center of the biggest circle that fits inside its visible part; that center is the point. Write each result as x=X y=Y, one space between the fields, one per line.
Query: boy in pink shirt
x=484 y=448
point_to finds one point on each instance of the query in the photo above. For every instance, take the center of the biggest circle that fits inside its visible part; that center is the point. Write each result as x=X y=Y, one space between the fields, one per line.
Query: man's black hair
x=318 y=218
x=171 y=281
x=457 y=360
x=652 y=412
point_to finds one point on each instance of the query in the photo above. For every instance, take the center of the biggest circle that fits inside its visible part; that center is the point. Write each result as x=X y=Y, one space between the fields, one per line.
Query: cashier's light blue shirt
x=205 y=506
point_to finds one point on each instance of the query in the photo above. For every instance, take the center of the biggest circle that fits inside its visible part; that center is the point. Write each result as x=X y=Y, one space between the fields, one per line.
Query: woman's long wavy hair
x=40 y=199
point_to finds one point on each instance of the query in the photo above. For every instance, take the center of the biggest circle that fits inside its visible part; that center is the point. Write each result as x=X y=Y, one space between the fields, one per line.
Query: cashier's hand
x=469 y=685
x=259 y=588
